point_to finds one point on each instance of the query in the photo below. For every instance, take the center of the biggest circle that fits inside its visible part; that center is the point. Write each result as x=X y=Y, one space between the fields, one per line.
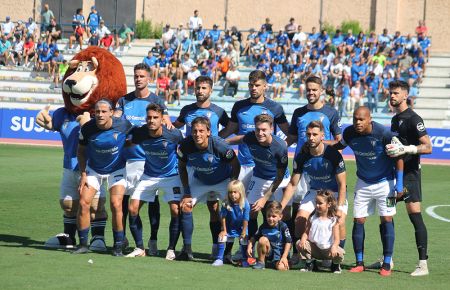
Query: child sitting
x=274 y=240
x=234 y=215
x=321 y=238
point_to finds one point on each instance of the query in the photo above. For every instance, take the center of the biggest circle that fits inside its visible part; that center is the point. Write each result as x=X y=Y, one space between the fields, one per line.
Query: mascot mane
x=93 y=74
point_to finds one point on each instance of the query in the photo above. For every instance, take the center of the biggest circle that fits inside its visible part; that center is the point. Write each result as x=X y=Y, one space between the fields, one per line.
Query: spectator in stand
x=46 y=15
x=300 y=35
x=54 y=31
x=174 y=89
x=78 y=19
x=181 y=32
x=185 y=46
x=162 y=64
x=344 y=103
x=202 y=56
x=93 y=21
x=413 y=93
x=151 y=61
x=124 y=36
x=167 y=33
x=162 y=86
x=195 y=23
x=222 y=68
x=421 y=29
x=28 y=51
x=214 y=33
x=190 y=79
x=174 y=45
x=357 y=96
x=44 y=61
x=384 y=39
x=94 y=40
x=209 y=67
x=415 y=72
x=268 y=26
x=313 y=36
x=263 y=35
x=185 y=66
x=297 y=72
x=56 y=60
x=237 y=33
x=5 y=46
x=200 y=36
x=77 y=36
x=256 y=51
x=232 y=54
x=250 y=41
x=425 y=45
x=283 y=41
x=107 y=40
x=233 y=77
x=59 y=73
x=281 y=85
x=291 y=28
x=373 y=86
x=8 y=28
x=16 y=51
x=31 y=28
x=157 y=49
x=20 y=30
x=102 y=29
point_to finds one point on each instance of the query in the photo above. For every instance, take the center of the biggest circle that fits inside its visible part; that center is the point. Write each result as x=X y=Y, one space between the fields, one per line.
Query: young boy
x=274 y=240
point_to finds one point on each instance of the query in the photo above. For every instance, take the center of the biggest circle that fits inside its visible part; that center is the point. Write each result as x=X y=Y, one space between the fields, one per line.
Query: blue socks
x=187 y=223
x=98 y=227
x=387 y=238
x=136 y=230
x=220 y=251
x=118 y=238
x=83 y=235
x=174 y=232
x=358 y=235
x=154 y=217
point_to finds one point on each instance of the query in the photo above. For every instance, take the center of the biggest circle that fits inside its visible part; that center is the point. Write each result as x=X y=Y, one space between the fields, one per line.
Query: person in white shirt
x=8 y=28
x=232 y=80
x=300 y=35
x=190 y=80
x=194 y=23
x=102 y=29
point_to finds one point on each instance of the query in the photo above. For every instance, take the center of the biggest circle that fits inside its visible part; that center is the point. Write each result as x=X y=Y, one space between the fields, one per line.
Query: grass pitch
x=30 y=214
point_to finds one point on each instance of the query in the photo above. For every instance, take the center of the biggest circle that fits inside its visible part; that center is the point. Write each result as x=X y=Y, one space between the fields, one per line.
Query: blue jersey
x=134 y=110
x=214 y=113
x=105 y=147
x=278 y=235
x=321 y=169
x=214 y=34
x=94 y=20
x=267 y=158
x=150 y=61
x=65 y=123
x=372 y=163
x=212 y=165
x=235 y=217
x=303 y=116
x=78 y=19
x=160 y=152
x=244 y=112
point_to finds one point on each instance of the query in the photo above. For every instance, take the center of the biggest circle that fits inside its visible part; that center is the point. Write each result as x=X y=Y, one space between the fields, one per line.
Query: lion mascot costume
x=93 y=74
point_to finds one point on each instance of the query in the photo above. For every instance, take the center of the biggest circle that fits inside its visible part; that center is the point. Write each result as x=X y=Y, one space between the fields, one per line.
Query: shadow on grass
x=20 y=241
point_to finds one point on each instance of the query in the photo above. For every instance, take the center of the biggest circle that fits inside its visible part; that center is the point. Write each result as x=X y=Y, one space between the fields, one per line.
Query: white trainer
x=171 y=255
x=153 y=248
x=421 y=269
x=138 y=252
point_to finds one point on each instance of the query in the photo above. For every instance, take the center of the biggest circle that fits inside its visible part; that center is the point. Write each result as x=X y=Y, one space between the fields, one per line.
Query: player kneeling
x=321 y=238
x=160 y=173
x=274 y=240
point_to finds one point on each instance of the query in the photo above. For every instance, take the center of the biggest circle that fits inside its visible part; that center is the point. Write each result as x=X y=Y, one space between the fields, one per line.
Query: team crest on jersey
x=400 y=123
x=321 y=118
x=264 y=112
x=229 y=154
x=115 y=135
x=284 y=159
x=341 y=164
x=65 y=124
x=210 y=158
x=326 y=165
x=373 y=142
x=208 y=115
x=164 y=143
x=420 y=126
x=80 y=136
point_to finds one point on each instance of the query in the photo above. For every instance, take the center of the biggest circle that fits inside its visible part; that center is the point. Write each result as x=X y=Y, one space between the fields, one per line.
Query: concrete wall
x=391 y=14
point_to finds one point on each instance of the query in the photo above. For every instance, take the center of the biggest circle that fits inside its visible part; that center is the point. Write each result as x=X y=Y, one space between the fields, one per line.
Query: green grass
x=30 y=214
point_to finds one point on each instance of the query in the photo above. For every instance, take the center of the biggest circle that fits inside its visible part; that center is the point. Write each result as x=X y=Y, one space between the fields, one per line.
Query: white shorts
x=302 y=189
x=309 y=202
x=147 y=188
x=367 y=196
x=202 y=192
x=245 y=175
x=95 y=179
x=69 y=186
x=134 y=170
x=258 y=187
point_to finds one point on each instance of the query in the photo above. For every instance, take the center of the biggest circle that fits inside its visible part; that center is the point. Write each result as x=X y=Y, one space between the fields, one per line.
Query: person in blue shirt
x=132 y=107
x=78 y=19
x=325 y=169
x=373 y=85
x=68 y=126
x=202 y=107
x=283 y=41
x=345 y=98
x=313 y=36
x=270 y=174
x=234 y=216
x=100 y=159
x=338 y=38
x=93 y=21
x=375 y=173
x=263 y=35
x=214 y=163
x=242 y=119
x=274 y=241
x=214 y=33
x=150 y=60
x=315 y=110
x=160 y=173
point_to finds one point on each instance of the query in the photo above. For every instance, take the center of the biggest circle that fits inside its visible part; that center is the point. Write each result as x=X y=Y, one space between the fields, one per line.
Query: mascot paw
x=84 y=118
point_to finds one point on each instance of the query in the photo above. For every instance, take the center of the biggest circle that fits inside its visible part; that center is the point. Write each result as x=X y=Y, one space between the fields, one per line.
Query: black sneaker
x=336 y=268
x=309 y=266
x=185 y=256
x=81 y=250
x=117 y=251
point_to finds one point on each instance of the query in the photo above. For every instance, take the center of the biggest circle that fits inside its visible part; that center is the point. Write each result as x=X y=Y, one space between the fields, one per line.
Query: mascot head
x=93 y=74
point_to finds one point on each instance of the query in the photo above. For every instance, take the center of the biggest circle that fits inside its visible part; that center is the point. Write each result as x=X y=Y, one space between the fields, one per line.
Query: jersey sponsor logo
x=229 y=154
x=284 y=159
x=248 y=126
x=420 y=126
x=341 y=164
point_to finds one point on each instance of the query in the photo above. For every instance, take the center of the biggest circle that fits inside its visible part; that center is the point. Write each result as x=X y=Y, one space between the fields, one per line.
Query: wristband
x=411 y=149
x=399 y=180
x=187 y=190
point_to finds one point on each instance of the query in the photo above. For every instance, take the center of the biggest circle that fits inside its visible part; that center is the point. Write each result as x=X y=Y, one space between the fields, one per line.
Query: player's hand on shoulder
x=83 y=118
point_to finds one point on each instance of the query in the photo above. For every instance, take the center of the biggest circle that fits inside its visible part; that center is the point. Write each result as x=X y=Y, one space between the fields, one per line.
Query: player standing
x=160 y=172
x=414 y=142
x=214 y=163
x=374 y=185
x=101 y=142
x=132 y=107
